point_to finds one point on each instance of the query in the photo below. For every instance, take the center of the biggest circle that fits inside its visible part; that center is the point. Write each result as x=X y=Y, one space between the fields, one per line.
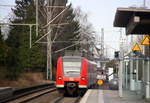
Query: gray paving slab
x=93 y=96
x=107 y=96
x=111 y=96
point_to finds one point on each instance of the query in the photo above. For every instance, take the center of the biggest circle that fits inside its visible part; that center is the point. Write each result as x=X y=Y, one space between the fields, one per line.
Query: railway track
x=63 y=99
x=28 y=94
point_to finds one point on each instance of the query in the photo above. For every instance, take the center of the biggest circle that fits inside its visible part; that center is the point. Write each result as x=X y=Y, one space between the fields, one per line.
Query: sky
x=100 y=13
x=5 y=10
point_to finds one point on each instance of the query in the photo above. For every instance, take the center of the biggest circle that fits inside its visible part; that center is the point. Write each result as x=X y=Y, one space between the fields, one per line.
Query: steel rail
x=37 y=96
x=78 y=99
x=59 y=99
x=27 y=91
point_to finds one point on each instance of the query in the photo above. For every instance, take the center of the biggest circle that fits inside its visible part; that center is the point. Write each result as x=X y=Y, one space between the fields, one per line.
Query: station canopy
x=135 y=20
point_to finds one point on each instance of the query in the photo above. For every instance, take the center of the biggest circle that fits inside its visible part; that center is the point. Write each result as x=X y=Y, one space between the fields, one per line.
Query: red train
x=75 y=74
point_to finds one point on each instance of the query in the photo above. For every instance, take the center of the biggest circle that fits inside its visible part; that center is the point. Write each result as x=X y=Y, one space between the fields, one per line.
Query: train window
x=71 y=68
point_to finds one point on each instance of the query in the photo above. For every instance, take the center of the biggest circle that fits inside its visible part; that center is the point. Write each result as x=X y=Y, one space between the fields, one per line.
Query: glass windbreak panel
x=72 y=68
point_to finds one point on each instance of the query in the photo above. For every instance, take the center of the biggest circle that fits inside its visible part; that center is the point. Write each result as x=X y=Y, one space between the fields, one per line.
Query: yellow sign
x=100 y=82
x=136 y=47
x=146 y=40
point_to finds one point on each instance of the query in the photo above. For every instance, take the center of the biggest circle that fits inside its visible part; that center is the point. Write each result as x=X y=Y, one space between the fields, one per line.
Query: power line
x=66 y=47
x=14 y=24
x=7 y=5
x=55 y=17
x=55 y=6
x=49 y=31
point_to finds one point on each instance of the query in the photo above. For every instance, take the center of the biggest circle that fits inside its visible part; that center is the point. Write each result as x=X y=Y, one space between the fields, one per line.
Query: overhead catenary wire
x=15 y=24
x=66 y=47
x=49 y=31
x=55 y=6
x=55 y=18
x=48 y=26
x=55 y=37
x=7 y=5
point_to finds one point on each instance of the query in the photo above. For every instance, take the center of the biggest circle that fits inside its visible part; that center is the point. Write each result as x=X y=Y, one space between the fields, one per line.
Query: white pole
x=37 y=17
x=120 y=78
x=131 y=75
x=148 y=80
x=137 y=68
x=30 y=36
x=121 y=66
x=49 y=44
x=144 y=3
x=126 y=65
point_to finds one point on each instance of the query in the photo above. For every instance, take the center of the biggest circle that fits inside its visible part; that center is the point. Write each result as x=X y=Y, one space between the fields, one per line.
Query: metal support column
x=126 y=82
x=137 y=69
x=30 y=38
x=148 y=80
x=37 y=14
x=124 y=74
x=120 y=78
x=131 y=75
x=49 y=42
x=143 y=79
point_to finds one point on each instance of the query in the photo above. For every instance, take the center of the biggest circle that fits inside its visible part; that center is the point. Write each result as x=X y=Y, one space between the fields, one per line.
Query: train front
x=71 y=75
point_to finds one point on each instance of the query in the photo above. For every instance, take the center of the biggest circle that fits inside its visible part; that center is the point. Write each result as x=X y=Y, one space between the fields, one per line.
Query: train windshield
x=72 y=68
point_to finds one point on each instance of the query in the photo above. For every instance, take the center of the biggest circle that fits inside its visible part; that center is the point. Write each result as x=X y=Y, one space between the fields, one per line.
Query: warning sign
x=100 y=82
x=136 y=47
x=146 y=40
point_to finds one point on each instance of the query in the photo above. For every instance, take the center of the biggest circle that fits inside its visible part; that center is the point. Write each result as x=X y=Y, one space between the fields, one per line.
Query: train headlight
x=82 y=78
x=59 y=78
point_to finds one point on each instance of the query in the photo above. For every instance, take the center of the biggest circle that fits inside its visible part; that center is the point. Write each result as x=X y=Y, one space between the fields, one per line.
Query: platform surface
x=107 y=96
x=5 y=92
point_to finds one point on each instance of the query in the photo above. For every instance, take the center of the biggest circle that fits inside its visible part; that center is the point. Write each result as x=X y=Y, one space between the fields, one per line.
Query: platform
x=107 y=96
x=5 y=92
x=93 y=96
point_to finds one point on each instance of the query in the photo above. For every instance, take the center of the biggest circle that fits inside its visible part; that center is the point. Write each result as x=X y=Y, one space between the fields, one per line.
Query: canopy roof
x=135 y=20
